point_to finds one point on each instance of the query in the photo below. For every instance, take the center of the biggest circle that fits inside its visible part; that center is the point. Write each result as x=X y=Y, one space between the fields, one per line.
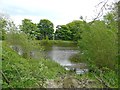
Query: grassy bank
x=19 y=72
x=57 y=43
x=47 y=44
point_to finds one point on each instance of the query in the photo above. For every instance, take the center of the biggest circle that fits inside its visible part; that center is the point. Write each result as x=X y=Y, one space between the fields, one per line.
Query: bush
x=20 y=41
x=99 y=46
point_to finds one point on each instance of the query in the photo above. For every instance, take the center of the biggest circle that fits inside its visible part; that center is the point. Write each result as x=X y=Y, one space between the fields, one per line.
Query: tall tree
x=71 y=31
x=76 y=27
x=62 y=33
x=46 y=28
x=29 y=28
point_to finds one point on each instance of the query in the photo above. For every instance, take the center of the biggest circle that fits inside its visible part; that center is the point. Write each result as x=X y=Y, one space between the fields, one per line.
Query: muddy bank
x=70 y=81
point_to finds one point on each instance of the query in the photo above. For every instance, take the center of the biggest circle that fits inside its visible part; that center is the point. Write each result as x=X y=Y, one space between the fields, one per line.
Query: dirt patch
x=71 y=82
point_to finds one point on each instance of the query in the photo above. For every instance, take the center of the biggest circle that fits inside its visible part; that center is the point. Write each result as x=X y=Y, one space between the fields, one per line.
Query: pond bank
x=49 y=43
x=70 y=81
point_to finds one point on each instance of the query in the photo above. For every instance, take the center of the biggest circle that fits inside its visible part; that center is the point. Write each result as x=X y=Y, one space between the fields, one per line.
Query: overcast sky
x=57 y=11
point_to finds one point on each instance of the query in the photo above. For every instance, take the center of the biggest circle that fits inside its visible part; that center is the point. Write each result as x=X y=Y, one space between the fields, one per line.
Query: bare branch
x=6 y=79
x=100 y=13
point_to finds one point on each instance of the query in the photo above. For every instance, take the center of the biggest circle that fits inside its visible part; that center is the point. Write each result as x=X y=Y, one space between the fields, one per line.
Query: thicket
x=99 y=49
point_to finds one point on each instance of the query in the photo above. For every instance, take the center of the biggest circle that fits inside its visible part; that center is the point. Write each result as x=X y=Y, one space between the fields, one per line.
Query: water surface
x=61 y=55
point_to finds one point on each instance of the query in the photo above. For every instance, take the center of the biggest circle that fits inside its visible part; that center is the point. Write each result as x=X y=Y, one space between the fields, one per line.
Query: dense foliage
x=46 y=29
x=71 y=31
x=62 y=33
x=99 y=45
x=29 y=28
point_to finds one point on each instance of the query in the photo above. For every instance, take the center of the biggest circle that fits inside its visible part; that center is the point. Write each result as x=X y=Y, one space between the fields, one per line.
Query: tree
x=29 y=28
x=111 y=21
x=76 y=27
x=99 y=45
x=46 y=29
x=62 y=33
x=4 y=25
x=71 y=31
x=20 y=41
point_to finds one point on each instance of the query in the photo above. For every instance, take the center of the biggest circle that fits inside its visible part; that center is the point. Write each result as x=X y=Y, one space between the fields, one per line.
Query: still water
x=61 y=55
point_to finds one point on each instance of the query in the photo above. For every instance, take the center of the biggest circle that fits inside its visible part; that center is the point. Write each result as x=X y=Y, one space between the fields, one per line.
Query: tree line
x=72 y=31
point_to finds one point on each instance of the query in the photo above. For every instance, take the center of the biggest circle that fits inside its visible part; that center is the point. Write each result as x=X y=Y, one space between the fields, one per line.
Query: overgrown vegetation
x=25 y=73
x=99 y=45
x=97 y=42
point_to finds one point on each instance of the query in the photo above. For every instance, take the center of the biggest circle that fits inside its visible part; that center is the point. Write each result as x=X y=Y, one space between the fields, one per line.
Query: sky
x=57 y=11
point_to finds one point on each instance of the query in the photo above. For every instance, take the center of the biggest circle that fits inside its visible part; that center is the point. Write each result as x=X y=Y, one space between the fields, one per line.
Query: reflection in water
x=61 y=55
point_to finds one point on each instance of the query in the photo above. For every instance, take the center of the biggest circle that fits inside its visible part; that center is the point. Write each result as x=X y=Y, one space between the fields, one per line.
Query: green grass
x=23 y=73
x=57 y=42
x=47 y=44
